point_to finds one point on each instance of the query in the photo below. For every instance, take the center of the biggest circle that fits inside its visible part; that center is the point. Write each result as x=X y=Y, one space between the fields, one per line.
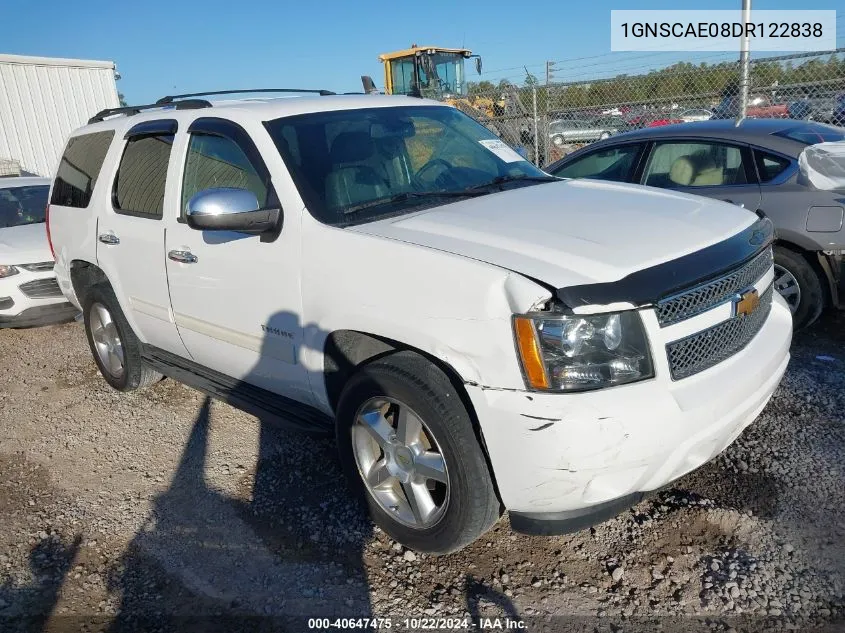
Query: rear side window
x=79 y=169
x=139 y=184
x=770 y=166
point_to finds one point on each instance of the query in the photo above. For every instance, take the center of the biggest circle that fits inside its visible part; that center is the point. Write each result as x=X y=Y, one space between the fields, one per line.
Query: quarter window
x=614 y=164
x=217 y=161
x=770 y=166
x=694 y=165
x=141 y=176
x=79 y=169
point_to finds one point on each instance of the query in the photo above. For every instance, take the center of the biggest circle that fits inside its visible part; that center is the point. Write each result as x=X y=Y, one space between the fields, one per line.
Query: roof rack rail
x=172 y=98
x=188 y=104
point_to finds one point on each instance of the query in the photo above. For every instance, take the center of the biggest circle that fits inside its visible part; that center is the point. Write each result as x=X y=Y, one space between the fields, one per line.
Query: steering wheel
x=433 y=163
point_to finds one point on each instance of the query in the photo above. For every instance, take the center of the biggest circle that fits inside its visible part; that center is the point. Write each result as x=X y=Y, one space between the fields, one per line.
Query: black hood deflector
x=645 y=287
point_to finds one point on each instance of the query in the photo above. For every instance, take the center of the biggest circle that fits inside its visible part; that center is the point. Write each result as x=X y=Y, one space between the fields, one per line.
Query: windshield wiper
x=408 y=195
x=500 y=180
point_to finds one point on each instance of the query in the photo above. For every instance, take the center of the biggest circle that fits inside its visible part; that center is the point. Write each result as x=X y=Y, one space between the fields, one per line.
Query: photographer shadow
x=287 y=547
x=31 y=608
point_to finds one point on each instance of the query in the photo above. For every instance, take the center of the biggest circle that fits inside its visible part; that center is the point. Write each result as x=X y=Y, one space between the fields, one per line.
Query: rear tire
x=465 y=504
x=800 y=285
x=114 y=346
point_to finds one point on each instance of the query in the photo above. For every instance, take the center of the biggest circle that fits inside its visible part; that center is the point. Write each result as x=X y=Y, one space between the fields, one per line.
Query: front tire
x=799 y=285
x=114 y=346
x=409 y=450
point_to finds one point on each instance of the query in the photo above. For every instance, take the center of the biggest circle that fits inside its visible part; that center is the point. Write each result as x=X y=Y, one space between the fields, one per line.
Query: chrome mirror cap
x=222 y=201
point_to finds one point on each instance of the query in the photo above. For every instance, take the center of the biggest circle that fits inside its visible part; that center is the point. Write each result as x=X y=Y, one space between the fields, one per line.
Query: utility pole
x=550 y=69
x=744 y=62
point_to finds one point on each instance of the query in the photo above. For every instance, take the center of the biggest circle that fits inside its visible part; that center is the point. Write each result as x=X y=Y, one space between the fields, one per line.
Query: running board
x=265 y=405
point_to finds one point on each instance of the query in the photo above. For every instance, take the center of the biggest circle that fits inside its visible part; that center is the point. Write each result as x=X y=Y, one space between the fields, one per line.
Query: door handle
x=739 y=204
x=183 y=257
x=109 y=238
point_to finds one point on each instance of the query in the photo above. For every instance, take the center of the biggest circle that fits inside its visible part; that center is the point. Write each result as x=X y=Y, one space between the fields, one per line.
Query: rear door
x=130 y=233
x=715 y=169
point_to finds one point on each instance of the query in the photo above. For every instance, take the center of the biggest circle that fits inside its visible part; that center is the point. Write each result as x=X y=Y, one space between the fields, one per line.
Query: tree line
x=684 y=83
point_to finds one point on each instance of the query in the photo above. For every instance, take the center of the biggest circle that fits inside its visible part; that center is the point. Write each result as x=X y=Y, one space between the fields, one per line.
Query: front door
x=130 y=234
x=236 y=299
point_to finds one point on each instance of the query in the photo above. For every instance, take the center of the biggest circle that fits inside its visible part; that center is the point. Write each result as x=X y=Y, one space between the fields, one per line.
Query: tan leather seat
x=696 y=170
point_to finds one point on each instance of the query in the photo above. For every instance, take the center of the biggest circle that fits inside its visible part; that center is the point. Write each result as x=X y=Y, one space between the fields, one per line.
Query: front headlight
x=576 y=352
x=7 y=271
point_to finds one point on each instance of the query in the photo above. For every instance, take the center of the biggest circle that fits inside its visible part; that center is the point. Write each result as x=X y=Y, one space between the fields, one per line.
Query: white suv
x=29 y=294
x=480 y=336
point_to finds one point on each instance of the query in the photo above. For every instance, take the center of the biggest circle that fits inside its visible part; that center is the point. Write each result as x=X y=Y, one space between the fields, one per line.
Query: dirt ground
x=164 y=511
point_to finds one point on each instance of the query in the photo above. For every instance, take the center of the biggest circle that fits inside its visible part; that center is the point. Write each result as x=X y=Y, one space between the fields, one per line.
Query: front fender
x=453 y=308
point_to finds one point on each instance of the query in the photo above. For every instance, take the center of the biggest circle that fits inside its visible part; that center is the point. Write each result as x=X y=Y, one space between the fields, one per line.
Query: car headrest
x=682 y=171
x=688 y=170
x=351 y=147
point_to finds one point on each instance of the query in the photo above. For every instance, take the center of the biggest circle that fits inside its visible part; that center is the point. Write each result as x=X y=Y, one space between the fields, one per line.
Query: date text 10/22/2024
x=418 y=624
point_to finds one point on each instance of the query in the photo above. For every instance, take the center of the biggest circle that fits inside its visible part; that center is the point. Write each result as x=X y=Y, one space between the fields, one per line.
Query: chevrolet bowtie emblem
x=746 y=303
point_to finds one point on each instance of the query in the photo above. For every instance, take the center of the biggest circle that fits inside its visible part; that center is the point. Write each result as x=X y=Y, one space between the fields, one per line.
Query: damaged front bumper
x=566 y=461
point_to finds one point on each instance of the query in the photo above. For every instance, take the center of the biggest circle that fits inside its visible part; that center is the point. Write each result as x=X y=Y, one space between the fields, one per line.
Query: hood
x=572 y=232
x=26 y=244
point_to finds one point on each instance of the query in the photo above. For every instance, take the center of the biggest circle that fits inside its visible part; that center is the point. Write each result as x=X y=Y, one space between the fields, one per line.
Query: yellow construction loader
x=438 y=73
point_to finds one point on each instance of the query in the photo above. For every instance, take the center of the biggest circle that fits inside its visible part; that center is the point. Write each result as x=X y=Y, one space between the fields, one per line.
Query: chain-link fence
x=545 y=122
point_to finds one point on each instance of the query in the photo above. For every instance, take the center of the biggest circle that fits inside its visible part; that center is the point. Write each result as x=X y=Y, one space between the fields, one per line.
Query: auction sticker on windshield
x=502 y=150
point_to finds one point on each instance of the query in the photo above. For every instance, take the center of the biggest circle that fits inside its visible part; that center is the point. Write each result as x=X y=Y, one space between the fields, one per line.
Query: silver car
x=753 y=165
x=563 y=131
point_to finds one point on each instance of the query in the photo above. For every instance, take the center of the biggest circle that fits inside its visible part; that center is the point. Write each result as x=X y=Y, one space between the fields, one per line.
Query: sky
x=176 y=46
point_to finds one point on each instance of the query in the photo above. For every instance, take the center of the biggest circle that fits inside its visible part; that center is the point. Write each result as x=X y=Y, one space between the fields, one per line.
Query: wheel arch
x=346 y=350
x=812 y=257
x=83 y=275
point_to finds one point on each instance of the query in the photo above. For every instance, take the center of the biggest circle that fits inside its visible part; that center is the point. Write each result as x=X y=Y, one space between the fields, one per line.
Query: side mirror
x=229 y=209
x=369 y=85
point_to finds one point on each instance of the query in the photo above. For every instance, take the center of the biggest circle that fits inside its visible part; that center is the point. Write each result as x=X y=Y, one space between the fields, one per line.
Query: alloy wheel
x=400 y=462
x=107 y=342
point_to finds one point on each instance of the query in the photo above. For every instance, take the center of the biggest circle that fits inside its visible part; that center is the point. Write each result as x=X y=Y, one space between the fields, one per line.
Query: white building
x=42 y=99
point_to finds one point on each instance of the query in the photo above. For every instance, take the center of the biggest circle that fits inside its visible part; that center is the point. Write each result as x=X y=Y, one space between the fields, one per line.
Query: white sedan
x=29 y=294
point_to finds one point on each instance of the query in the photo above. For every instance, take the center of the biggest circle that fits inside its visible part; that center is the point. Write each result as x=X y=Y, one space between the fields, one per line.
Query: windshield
x=439 y=74
x=812 y=133
x=23 y=205
x=353 y=166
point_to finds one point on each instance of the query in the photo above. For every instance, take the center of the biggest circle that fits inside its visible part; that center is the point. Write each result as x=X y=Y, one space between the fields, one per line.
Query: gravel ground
x=163 y=510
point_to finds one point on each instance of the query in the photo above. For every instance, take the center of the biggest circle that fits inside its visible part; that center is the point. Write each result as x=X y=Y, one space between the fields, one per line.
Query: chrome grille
x=709 y=295
x=709 y=347
x=40 y=267
x=41 y=288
